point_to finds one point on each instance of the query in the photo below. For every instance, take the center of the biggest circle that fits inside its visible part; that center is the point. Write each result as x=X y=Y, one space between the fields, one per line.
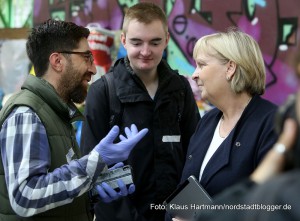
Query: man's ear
x=168 y=38
x=123 y=39
x=56 y=62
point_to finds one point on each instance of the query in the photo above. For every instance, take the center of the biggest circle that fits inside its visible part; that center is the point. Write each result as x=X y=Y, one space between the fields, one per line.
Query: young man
x=151 y=95
x=42 y=176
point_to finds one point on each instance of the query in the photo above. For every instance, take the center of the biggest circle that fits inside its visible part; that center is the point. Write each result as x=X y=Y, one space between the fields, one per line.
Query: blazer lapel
x=219 y=159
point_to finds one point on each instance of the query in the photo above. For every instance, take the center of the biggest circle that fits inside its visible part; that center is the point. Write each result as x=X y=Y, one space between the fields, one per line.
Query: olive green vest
x=57 y=118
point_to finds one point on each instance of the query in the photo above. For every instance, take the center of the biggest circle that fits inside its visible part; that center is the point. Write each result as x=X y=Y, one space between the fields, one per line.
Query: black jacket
x=157 y=164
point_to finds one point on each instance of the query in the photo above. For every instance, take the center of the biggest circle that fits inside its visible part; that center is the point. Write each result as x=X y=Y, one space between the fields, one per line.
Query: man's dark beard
x=71 y=92
x=78 y=94
x=71 y=88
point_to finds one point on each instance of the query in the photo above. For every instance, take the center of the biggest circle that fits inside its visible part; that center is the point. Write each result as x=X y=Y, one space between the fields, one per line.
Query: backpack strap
x=115 y=106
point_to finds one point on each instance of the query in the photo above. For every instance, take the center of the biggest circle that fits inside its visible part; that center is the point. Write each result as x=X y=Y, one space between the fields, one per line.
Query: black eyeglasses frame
x=86 y=54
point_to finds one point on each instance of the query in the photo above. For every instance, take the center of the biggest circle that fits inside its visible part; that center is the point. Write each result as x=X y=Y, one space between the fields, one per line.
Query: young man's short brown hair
x=145 y=12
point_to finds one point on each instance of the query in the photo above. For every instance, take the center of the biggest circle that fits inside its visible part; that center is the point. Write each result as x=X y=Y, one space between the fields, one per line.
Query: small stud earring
x=227 y=78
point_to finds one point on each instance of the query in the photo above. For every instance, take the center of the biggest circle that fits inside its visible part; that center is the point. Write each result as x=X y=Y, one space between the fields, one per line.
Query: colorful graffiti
x=273 y=23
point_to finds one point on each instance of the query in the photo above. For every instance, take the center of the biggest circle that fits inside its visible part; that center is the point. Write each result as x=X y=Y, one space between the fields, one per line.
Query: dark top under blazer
x=240 y=152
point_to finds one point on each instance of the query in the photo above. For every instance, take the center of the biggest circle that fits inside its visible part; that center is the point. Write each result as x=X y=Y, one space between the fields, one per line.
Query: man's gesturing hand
x=112 y=153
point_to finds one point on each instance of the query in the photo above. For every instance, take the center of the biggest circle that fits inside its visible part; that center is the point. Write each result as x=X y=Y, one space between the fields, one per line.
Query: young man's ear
x=56 y=62
x=123 y=39
x=168 y=38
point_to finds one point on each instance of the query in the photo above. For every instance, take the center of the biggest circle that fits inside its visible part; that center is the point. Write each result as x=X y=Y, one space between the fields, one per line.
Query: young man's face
x=145 y=44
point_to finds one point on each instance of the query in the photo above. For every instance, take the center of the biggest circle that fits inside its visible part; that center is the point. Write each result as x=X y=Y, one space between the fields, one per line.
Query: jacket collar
x=47 y=93
x=126 y=89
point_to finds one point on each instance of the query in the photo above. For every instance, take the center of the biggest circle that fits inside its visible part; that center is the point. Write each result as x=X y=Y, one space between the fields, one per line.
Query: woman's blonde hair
x=242 y=49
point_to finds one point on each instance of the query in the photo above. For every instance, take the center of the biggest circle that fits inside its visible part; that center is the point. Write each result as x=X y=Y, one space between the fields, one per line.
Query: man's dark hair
x=52 y=36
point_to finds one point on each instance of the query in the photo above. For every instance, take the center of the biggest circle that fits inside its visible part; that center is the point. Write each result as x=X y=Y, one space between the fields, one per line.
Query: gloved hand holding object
x=107 y=194
x=112 y=153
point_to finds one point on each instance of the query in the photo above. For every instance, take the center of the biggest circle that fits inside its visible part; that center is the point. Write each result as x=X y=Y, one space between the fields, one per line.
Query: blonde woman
x=233 y=138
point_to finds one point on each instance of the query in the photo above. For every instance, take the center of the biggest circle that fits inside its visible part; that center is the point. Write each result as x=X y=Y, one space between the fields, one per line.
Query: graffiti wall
x=273 y=23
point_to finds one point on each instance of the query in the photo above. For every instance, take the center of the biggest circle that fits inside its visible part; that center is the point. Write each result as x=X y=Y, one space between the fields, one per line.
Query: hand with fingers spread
x=129 y=132
x=116 y=152
x=108 y=194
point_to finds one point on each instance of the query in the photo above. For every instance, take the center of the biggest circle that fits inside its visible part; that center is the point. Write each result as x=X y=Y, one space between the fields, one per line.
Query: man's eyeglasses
x=86 y=54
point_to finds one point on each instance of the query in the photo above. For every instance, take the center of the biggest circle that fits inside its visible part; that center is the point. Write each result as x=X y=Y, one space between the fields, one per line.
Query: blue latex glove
x=112 y=153
x=129 y=132
x=108 y=194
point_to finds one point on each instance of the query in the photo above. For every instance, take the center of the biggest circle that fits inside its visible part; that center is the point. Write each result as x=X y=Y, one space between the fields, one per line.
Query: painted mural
x=273 y=23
